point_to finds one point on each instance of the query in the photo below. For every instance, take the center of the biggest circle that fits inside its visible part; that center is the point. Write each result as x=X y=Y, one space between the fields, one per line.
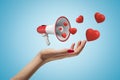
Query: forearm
x=29 y=69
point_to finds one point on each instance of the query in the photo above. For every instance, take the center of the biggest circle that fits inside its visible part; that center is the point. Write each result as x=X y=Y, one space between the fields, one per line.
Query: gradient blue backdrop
x=20 y=43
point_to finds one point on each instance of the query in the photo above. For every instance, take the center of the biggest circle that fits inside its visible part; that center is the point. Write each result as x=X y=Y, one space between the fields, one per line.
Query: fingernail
x=80 y=42
x=70 y=51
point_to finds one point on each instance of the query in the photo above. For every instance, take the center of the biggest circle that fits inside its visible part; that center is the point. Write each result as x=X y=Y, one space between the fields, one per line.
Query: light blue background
x=20 y=43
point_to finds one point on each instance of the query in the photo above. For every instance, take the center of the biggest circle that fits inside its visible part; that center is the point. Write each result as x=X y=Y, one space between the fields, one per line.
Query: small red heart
x=92 y=34
x=99 y=17
x=65 y=24
x=60 y=28
x=73 y=30
x=64 y=35
x=79 y=19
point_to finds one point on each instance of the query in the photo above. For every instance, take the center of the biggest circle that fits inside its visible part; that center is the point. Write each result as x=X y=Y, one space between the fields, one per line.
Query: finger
x=78 y=44
x=61 y=51
x=72 y=46
x=82 y=45
x=79 y=49
x=64 y=51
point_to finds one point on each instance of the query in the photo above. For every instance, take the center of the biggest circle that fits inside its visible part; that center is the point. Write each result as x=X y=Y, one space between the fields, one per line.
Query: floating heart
x=79 y=19
x=99 y=17
x=92 y=34
x=73 y=30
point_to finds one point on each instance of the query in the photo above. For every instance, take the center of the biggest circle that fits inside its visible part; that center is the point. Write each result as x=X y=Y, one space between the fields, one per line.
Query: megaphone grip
x=46 y=39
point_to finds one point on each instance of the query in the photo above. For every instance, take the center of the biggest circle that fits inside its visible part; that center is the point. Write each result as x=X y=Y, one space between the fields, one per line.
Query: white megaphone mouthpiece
x=61 y=29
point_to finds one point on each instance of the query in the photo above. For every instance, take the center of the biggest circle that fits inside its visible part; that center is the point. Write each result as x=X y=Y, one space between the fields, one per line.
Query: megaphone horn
x=61 y=29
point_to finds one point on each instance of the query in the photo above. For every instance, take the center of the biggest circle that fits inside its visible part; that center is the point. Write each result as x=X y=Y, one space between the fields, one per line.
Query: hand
x=52 y=54
x=46 y=56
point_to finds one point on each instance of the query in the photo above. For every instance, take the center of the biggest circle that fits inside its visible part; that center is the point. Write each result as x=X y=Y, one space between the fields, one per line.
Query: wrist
x=42 y=61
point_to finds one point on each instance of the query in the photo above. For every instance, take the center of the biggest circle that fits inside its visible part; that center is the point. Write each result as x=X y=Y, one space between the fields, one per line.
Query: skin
x=45 y=56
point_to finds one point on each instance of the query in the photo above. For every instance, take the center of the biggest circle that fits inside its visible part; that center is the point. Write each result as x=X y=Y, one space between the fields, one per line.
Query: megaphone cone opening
x=62 y=21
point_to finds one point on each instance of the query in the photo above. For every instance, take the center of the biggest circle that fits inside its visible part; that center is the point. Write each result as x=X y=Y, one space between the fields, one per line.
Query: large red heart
x=79 y=19
x=92 y=34
x=99 y=17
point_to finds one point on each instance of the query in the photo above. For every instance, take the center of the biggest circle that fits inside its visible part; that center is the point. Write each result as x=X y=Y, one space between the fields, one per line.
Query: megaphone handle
x=46 y=39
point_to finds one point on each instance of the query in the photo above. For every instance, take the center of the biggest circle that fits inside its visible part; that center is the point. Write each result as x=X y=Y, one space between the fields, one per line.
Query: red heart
x=64 y=35
x=65 y=24
x=73 y=30
x=99 y=17
x=92 y=34
x=79 y=19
